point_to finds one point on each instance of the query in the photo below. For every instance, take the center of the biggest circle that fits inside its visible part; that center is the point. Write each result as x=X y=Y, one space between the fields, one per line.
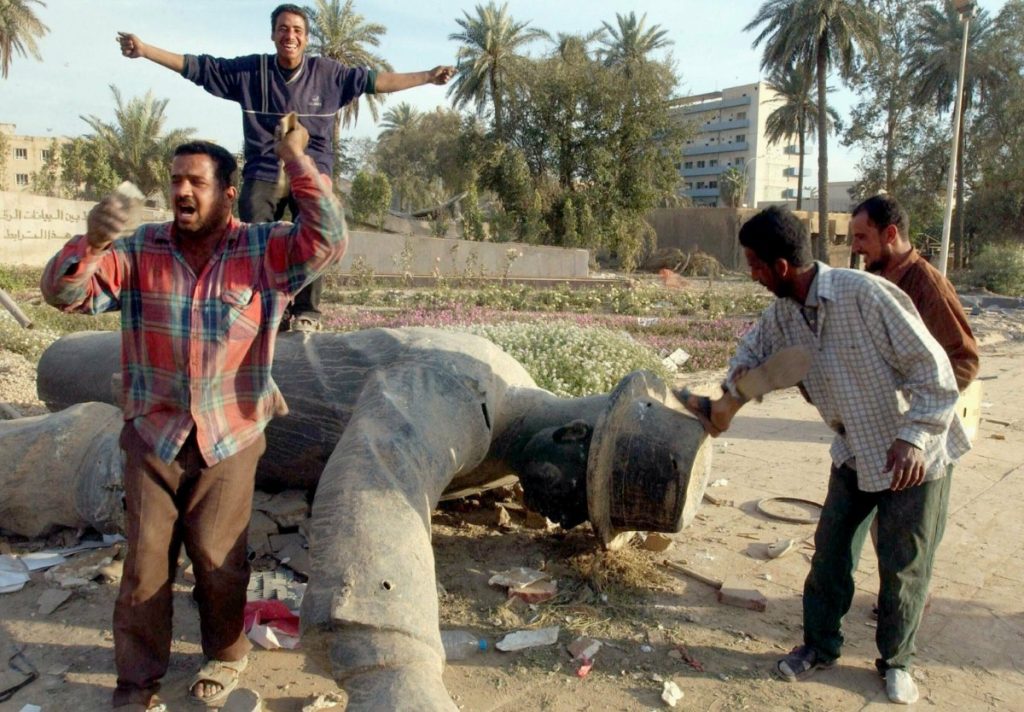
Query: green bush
x=371 y=197
x=572 y=361
x=1000 y=269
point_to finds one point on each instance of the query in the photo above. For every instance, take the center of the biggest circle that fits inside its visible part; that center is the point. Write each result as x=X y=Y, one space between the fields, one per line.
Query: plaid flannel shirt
x=876 y=375
x=197 y=350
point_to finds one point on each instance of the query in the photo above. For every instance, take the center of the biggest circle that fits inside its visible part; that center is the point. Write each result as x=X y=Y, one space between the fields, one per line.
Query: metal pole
x=947 y=218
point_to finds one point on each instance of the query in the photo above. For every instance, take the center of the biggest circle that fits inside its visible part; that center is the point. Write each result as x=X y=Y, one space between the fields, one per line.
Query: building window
x=21 y=153
x=688 y=164
x=738 y=161
x=741 y=138
x=21 y=179
x=46 y=154
x=700 y=185
x=713 y=184
x=713 y=162
x=700 y=164
x=741 y=115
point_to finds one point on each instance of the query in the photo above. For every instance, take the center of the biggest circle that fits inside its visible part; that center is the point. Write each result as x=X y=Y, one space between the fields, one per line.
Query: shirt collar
x=895 y=271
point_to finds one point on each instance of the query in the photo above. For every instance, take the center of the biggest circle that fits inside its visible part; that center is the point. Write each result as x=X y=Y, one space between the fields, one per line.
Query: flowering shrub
x=572 y=361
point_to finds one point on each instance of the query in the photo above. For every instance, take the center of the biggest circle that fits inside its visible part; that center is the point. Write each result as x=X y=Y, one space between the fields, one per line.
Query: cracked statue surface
x=381 y=424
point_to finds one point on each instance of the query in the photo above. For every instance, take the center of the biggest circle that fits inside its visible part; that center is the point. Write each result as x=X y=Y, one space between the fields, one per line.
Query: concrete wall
x=33 y=228
x=715 y=231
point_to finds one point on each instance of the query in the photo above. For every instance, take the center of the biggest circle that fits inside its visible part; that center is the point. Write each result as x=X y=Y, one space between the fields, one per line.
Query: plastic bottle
x=460 y=644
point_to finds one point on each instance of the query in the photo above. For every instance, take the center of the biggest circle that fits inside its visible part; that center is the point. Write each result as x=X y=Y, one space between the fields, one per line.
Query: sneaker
x=800 y=663
x=900 y=686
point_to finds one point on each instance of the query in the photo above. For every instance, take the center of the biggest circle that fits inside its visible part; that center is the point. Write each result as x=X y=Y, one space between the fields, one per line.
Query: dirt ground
x=656 y=625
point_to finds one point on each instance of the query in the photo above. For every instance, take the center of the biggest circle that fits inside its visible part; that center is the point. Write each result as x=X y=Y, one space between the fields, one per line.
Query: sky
x=81 y=58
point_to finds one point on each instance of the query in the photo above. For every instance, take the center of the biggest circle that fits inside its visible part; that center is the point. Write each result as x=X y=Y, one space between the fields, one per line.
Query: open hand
x=106 y=220
x=131 y=46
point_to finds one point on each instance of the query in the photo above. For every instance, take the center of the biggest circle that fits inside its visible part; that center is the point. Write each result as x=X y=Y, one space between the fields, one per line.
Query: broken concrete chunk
x=780 y=548
x=523 y=639
x=52 y=599
x=670 y=693
x=322 y=702
x=503 y=519
x=656 y=542
x=288 y=508
x=296 y=558
x=584 y=648
x=280 y=542
x=260 y=527
x=742 y=595
x=243 y=700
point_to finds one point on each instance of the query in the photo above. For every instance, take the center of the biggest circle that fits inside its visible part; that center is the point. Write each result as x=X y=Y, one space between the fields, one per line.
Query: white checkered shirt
x=876 y=374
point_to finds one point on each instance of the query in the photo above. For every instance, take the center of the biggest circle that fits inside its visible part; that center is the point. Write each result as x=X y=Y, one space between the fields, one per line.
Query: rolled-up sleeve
x=82 y=279
x=298 y=253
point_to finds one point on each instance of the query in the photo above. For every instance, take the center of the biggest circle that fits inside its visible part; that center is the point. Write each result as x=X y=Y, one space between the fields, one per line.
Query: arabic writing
x=58 y=215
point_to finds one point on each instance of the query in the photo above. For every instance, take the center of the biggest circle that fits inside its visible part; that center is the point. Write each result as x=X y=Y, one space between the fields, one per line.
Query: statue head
x=554 y=476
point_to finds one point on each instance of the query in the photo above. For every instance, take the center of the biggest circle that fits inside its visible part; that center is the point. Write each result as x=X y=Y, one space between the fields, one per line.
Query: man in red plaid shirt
x=200 y=301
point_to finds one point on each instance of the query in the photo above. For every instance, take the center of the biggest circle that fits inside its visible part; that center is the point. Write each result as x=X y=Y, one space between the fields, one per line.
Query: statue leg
x=370 y=611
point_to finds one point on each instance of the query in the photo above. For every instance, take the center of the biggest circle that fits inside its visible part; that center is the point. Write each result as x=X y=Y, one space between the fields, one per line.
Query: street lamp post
x=966 y=9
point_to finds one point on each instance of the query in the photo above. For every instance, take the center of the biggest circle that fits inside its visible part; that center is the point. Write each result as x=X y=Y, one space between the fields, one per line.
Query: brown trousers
x=207 y=509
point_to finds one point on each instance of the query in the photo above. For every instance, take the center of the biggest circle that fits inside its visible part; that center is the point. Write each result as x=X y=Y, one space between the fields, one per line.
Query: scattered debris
x=584 y=648
x=670 y=693
x=522 y=639
x=517 y=577
x=51 y=599
x=536 y=592
x=780 y=548
x=720 y=483
x=504 y=519
x=539 y=521
x=277 y=585
x=681 y=653
x=718 y=501
x=734 y=592
x=288 y=508
x=769 y=508
x=675 y=360
x=676 y=566
x=242 y=699
x=260 y=528
x=14 y=574
x=271 y=624
x=656 y=542
x=322 y=702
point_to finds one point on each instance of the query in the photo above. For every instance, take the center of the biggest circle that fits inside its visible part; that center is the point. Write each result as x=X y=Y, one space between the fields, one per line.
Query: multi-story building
x=730 y=133
x=25 y=155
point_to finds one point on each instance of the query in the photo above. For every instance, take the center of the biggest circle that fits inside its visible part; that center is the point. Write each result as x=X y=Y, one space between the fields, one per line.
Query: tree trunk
x=801 y=142
x=823 y=236
x=499 y=124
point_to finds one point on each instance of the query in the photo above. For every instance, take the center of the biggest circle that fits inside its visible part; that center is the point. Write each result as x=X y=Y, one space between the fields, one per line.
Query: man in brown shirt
x=880 y=234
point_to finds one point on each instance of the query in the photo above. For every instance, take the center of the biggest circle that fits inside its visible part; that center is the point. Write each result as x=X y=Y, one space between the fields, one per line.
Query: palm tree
x=19 y=28
x=732 y=185
x=934 y=67
x=797 y=116
x=338 y=32
x=630 y=43
x=574 y=47
x=401 y=117
x=489 y=59
x=135 y=144
x=825 y=34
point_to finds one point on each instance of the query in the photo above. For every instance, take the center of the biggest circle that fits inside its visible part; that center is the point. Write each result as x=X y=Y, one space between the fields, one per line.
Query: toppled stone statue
x=381 y=423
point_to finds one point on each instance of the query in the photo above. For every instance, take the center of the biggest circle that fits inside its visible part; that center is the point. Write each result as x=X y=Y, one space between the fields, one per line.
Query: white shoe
x=900 y=686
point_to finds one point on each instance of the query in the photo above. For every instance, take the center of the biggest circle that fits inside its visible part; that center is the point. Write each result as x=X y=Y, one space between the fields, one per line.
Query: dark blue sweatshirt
x=315 y=91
